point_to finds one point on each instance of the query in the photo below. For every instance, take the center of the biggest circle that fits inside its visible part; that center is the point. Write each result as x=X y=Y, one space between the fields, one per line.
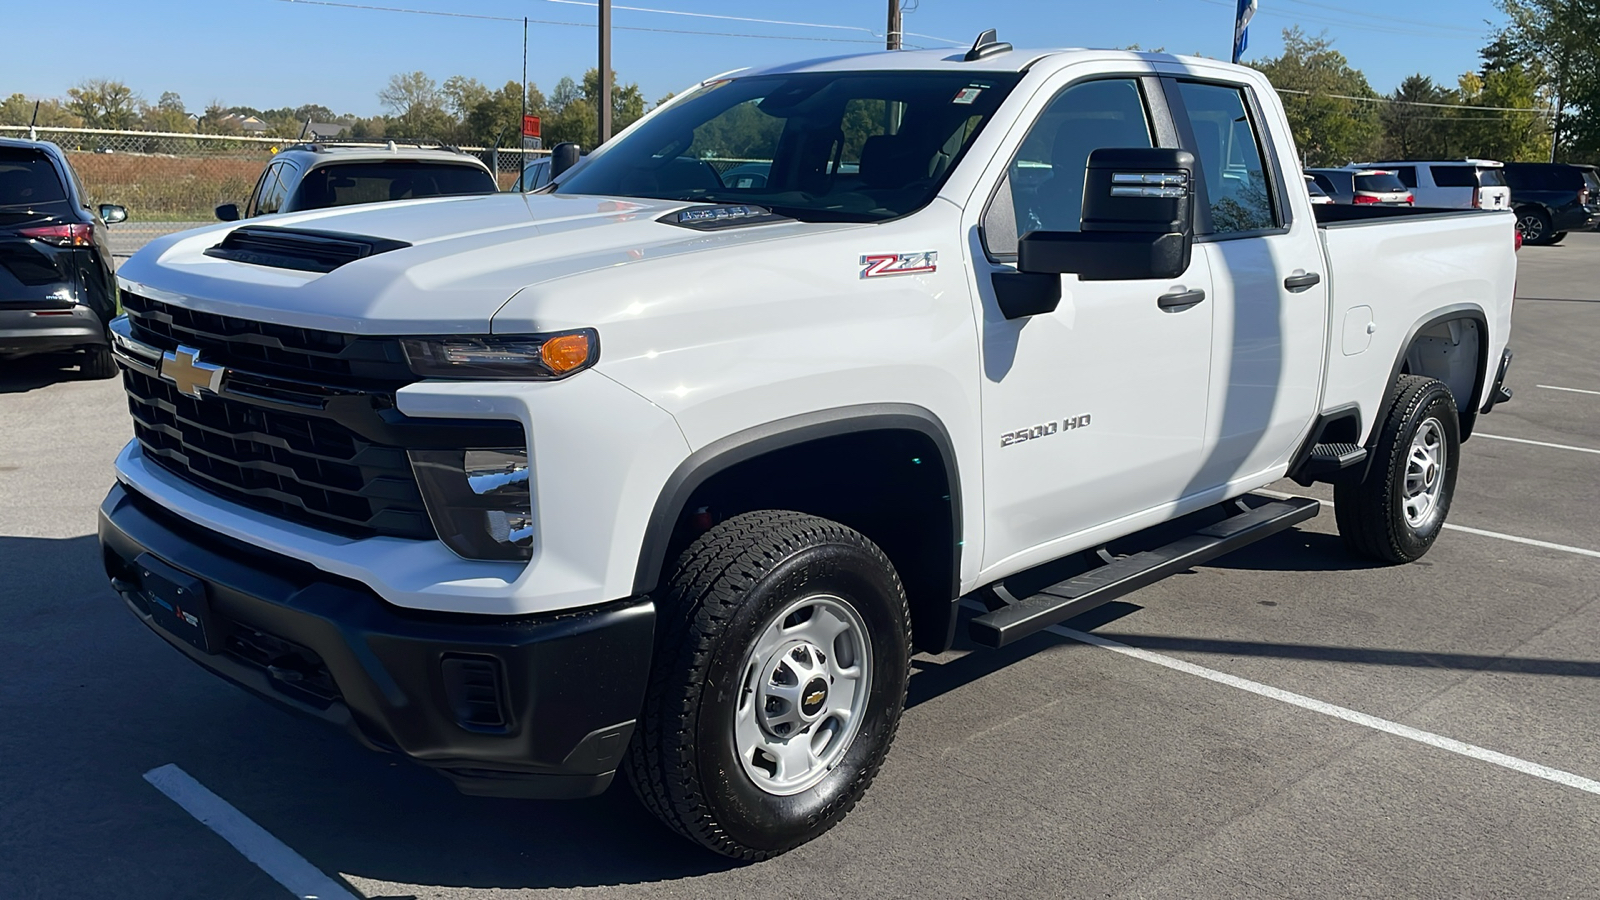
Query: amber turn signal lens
x=565 y=353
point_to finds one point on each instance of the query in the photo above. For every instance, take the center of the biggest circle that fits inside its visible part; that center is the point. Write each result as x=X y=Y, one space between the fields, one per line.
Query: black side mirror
x=228 y=212
x=563 y=156
x=111 y=214
x=1138 y=220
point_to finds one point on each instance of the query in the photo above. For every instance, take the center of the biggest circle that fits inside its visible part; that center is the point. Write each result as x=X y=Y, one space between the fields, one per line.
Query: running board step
x=1121 y=577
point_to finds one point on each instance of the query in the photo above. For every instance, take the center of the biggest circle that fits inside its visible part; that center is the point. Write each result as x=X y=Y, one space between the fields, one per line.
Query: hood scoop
x=304 y=250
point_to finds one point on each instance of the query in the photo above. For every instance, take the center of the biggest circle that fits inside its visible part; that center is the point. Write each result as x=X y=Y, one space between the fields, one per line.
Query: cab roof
x=950 y=60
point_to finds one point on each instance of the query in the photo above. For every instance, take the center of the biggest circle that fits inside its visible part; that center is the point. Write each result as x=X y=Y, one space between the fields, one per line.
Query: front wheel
x=782 y=657
x=1397 y=511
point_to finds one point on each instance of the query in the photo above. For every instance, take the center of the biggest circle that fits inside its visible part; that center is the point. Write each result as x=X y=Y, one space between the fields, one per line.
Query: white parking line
x=1496 y=437
x=274 y=857
x=1551 y=387
x=1581 y=551
x=1438 y=741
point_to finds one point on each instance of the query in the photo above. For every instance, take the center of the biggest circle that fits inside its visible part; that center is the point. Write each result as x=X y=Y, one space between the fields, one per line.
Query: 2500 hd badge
x=1045 y=430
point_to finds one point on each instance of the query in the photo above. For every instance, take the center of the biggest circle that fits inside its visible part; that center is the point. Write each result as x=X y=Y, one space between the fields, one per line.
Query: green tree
x=215 y=120
x=1559 y=37
x=498 y=116
x=627 y=101
x=418 y=108
x=1328 y=127
x=1412 y=129
x=167 y=115
x=19 y=110
x=104 y=103
x=1486 y=126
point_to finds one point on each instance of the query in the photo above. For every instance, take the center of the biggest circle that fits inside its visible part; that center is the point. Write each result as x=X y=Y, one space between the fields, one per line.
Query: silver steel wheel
x=806 y=681
x=1425 y=470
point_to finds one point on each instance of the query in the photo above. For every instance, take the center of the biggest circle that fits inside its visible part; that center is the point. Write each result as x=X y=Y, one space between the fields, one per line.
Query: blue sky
x=270 y=53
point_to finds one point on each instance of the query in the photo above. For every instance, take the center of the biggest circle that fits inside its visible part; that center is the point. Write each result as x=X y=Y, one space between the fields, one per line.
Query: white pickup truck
x=669 y=467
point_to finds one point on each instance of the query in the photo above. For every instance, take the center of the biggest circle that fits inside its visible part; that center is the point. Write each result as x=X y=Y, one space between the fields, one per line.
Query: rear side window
x=1234 y=169
x=1407 y=175
x=347 y=184
x=1491 y=177
x=1326 y=183
x=1455 y=176
x=1380 y=183
x=28 y=178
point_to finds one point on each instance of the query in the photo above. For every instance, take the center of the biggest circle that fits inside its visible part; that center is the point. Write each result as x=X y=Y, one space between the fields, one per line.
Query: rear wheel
x=1558 y=237
x=782 y=658
x=1397 y=511
x=98 y=363
x=1534 y=225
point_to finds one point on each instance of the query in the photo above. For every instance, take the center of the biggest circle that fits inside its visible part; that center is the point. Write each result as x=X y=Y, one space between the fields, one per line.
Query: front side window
x=1043 y=187
x=1232 y=166
x=347 y=184
x=817 y=146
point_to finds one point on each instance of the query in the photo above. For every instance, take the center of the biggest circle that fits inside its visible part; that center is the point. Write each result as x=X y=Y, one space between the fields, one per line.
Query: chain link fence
x=171 y=182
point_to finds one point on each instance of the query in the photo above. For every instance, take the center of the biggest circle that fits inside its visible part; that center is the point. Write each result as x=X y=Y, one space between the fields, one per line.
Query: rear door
x=1268 y=285
x=1493 y=192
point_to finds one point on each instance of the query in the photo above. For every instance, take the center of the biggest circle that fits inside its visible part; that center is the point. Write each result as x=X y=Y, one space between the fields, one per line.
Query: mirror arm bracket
x=1023 y=294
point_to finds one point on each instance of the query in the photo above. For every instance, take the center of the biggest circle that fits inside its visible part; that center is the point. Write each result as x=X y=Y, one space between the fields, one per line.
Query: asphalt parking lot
x=1216 y=760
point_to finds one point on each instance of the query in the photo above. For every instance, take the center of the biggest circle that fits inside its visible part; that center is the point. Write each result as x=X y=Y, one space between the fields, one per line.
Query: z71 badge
x=875 y=265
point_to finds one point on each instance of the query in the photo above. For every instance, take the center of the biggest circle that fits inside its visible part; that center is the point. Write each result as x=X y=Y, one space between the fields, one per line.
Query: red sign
x=530 y=126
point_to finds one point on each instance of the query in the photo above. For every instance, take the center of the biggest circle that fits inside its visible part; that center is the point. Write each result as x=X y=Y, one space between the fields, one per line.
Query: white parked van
x=1458 y=184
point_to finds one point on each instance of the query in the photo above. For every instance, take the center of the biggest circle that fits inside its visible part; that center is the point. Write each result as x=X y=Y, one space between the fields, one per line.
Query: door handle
x=1180 y=300
x=1301 y=282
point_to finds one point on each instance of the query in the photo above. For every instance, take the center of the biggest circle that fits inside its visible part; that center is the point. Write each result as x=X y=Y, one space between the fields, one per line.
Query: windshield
x=817 y=146
x=346 y=184
x=1380 y=183
x=28 y=178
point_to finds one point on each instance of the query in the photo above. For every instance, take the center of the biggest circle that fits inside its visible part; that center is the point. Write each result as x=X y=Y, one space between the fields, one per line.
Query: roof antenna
x=33 y=133
x=987 y=44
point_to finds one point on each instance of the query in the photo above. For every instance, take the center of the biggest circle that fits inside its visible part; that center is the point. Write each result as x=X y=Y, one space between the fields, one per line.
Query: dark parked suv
x=57 y=291
x=1552 y=199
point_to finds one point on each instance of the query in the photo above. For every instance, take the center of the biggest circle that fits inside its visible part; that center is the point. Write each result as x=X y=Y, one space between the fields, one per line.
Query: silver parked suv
x=321 y=175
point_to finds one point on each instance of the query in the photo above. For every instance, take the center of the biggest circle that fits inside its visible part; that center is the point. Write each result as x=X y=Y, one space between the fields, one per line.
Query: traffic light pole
x=605 y=71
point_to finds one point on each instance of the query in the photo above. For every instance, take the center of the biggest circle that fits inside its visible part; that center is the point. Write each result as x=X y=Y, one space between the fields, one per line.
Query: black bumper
x=532 y=706
x=24 y=332
x=1498 y=392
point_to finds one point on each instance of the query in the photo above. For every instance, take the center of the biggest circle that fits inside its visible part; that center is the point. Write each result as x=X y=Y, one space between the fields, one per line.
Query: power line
x=1346 y=23
x=1367 y=15
x=1526 y=109
x=478 y=16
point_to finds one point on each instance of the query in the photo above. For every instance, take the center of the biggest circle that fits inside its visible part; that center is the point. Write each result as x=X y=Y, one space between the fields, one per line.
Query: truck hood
x=468 y=257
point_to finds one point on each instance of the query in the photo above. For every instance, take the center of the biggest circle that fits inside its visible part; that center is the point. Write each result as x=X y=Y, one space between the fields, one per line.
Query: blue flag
x=1241 y=27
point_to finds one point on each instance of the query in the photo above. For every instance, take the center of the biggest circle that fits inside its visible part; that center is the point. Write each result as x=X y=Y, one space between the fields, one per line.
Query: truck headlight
x=517 y=357
x=480 y=501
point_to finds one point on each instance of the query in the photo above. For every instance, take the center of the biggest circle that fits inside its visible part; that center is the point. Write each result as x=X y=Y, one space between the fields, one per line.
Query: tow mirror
x=1138 y=220
x=228 y=212
x=111 y=214
x=563 y=156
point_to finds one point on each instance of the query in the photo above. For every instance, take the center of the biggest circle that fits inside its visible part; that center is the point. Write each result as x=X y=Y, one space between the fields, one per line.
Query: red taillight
x=1517 y=232
x=1360 y=199
x=61 y=235
x=1411 y=199
x=1477 y=199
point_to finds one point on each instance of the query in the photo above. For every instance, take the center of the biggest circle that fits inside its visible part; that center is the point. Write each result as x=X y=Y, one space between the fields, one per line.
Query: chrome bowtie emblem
x=184 y=369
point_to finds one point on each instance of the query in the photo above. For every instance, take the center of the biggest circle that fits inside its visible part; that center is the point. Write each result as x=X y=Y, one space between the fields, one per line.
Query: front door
x=1096 y=411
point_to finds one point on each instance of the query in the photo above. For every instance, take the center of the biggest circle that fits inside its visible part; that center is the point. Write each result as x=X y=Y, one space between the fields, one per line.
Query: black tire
x=1557 y=238
x=97 y=363
x=1372 y=513
x=727 y=587
x=1534 y=225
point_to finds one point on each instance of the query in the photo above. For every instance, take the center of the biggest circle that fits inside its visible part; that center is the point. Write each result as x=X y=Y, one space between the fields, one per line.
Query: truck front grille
x=306 y=354
x=304 y=467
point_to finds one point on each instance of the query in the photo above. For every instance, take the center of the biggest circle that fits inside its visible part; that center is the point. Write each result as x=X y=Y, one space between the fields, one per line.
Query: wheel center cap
x=814 y=698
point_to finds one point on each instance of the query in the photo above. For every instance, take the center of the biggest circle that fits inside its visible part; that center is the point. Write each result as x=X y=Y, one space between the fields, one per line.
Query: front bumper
x=24 y=332
x=566 y=687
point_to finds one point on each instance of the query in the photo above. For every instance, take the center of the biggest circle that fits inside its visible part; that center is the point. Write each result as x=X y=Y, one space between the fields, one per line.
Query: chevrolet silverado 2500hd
x=659 y=472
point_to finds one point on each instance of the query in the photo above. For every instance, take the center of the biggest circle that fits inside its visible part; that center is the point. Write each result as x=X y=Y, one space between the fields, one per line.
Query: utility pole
x=892 y=33
x=605 y=71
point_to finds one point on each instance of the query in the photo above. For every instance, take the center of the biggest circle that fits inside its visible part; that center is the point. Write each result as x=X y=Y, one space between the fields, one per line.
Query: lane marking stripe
x=1496 y=437
x=1581 y=551
x=1551 y=387
x=1437 y=741
x=271 y=855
